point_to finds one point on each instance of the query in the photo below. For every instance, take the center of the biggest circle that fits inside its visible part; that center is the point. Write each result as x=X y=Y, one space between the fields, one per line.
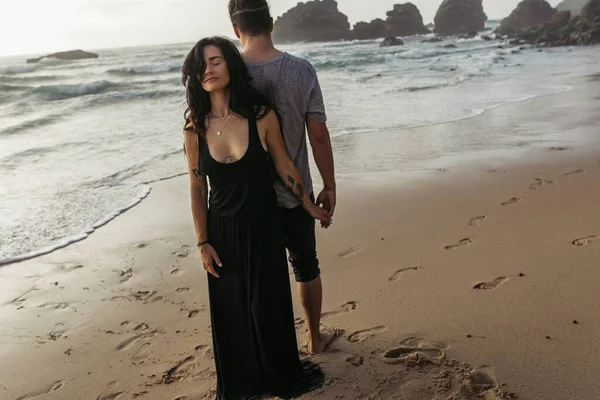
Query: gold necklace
x=226 y=122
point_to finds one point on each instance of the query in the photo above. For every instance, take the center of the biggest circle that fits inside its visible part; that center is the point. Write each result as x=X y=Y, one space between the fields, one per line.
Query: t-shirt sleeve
x=316 y=106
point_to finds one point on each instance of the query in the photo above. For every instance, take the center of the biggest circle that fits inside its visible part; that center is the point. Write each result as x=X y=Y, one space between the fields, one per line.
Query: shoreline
x=75 y=238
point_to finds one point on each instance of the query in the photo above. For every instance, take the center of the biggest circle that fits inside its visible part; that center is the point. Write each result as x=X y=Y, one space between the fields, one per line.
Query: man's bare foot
x=326 y=338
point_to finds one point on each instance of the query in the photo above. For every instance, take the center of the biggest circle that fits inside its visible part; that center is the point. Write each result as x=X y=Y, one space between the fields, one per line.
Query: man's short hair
x=252 y=17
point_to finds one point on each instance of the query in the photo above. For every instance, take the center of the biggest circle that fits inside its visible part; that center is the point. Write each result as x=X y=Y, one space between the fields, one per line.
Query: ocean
x=81 y=141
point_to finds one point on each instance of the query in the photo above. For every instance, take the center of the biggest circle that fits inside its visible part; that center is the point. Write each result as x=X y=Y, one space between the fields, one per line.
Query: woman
x=232 y=136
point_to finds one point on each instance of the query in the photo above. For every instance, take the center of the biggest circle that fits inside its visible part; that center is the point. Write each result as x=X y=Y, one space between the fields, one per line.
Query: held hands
x=209 y=258
x=326 y=201
x=320 y=214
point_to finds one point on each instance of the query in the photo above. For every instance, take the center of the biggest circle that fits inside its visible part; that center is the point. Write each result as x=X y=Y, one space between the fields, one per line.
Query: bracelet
x=201 y=243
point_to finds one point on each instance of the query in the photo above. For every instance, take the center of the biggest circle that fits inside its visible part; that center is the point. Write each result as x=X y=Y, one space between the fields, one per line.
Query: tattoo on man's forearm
x=296 y=188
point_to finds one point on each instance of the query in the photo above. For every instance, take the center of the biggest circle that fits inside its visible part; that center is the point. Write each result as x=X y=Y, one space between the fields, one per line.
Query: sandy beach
x=471 y=279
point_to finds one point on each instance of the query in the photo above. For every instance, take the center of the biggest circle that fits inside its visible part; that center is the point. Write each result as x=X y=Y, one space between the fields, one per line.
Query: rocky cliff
x=528 y=13
x=403 y=20
x=562 y=30
x=455 y=17
x=313 y=21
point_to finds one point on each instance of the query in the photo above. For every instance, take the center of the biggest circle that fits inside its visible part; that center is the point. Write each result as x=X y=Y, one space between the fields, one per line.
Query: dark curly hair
x=244 y=99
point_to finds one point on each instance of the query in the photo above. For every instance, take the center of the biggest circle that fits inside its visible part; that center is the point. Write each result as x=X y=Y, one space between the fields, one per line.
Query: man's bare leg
x=311 y=297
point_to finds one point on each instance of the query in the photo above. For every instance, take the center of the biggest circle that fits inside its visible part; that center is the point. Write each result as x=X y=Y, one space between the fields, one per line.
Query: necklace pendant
x=219 y=133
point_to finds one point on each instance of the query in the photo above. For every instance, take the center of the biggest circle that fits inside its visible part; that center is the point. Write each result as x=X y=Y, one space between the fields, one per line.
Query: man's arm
x=320 y=141
x=318 y=135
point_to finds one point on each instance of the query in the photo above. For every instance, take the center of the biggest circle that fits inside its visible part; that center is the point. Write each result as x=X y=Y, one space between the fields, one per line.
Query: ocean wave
x=28 y=156
x=66 y=91
x=147 y=69
x=30 y=124
x=13 y=88
x=12 y=79
x=143 y=193
x=125 y=96
x=18 y=69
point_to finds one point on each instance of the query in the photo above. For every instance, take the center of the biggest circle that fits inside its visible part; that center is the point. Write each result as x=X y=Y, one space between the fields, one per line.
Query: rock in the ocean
x=469 y=35
x=405 y=20
x=313 y=21
x=574 y=6
x=435 y=39
x=66 y=55
x=391 y=41
x=369 y=30
x=455 y=17
x=528 y=13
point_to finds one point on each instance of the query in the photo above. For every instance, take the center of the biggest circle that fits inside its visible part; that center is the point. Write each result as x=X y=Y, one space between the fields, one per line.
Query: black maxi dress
x=254 y=337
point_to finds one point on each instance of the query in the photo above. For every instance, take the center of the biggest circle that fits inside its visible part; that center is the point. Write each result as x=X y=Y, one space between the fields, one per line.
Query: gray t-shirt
x=291 y=85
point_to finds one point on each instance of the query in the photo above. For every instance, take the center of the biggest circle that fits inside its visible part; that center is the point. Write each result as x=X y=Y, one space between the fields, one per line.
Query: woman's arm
x=287 y=170
x=199 y=202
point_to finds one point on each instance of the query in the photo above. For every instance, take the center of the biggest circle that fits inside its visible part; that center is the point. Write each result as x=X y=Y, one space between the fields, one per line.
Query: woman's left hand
x=320 y=214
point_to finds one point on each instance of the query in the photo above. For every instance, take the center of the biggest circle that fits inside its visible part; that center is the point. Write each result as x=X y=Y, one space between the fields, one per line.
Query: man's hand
x=326 y=200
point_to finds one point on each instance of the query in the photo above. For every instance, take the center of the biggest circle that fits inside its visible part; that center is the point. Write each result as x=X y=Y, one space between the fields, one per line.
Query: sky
x=38 y=26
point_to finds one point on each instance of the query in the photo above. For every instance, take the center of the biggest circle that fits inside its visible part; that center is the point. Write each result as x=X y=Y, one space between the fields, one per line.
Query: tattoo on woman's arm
x=296 y=188
x=196 y=173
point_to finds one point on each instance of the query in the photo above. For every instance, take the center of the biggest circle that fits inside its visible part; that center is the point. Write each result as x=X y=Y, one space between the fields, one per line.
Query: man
x=291 y=84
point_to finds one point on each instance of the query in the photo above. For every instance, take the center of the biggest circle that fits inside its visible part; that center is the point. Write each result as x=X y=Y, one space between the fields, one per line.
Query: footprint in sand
x=203 y=351
x=142 y=354
x=179 y=372
x=539 y=182
x=141 y=245
x=415 y=351
x=183 y=289
x=129 y=343
x=145 y=295
x=56 y=306
x=497 y=171
x=184 y=253
x=361 y=336
x=57 y=333
x=460 y=243
x=69 y=267
x=397 y=274
x=350 y=252
x=111 y=393
x=478 y=382
x=299 y=322
x=126 y=275
x=476 y=221
x=576 y=172
x=345 y=308
x=511 y=201
x=490 y=285
x=585 y=240
x=353 y=359
x=559 y=148
x=46 y=390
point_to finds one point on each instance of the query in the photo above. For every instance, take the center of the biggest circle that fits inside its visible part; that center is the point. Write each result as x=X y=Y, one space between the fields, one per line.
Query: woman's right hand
x=209 y=258
x=320 y=214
